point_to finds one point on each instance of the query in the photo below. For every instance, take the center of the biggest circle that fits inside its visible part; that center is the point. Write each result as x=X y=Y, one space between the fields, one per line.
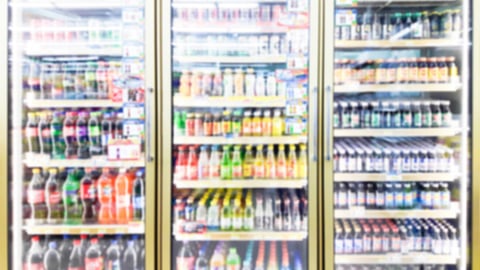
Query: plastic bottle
x=82 y=139
x=71 y=201
x=69 y=81
x=237 y=220
x=226 y=215
x=259 y=168
x=277 y=123
x=58 y=141
x=226 y=164
x=36 y=198
x=203 y=164
x=271 y=85
x=45 y=134
x=105 y=193
x=90 y=80
x=95 y=146
x=31 y=133
x=285 y=257
x=107 y=132
x=267 y=123
x=270 y=164
x=217 y=261
x=35 y=255
x=69 y=135
x=201 y=263
x=213 y=217
x=53 y=198
x=181 y=164
x=260 y=85
x=272 y=260
x=233 y=260
x=214 y=164
x=113 y=257
x=192 y=164
x=237 y=170
x=185 y=257
x=201 y=216
x=302 y=162
x=138 y=199
x=268 y=215
x=65 y=250
x=259 y=214
x=292 y=166
x=88 y=195
x=248 y=215
x=102 y=80
x=122 y=198
x=52 y=260
x=118 y=127
x=259 y=265
x=248 y=163
x=93 y=256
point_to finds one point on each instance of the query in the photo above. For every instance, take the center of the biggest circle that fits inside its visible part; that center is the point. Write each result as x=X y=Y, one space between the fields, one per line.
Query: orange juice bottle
x=277 y=123
x=238 y=82
x=105 y=193
x=247 y=123
x=270 y=164
x=292 y=170
x=257 y=123
x=195 y=85
x=122 y=196
x=184 y=88
x=267 y=123
x=259 y=164
x=281 y=163
x=302 y=162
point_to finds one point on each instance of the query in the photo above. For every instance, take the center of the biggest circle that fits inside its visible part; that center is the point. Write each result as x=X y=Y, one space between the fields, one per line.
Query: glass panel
x=77 y=132
x=400 y=134
x=240 y=101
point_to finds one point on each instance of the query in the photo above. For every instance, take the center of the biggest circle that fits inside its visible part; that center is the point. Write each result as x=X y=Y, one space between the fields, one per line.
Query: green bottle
x=226 y=215
x=226 y=164
x=233 y=260
x=71 y=199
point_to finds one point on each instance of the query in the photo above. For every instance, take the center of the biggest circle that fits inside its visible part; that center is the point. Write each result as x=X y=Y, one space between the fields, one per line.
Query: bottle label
x=203 y=172
x=281 y=170
x=215 y=171
x=259 y=171
x=93 y=263
x=224 y=172
x=180 y=172
x=247 y=170
x=339 y=246
x=82 y=131
x=68 y=131
x=31 y=132
x=123 y=201
x=107 y=190
x=46 y=132
x=54 y=197
x=139 y=202
x=113 y=265
x=94 y=131
x=89 y=192
x=36 y=196
x=34 y=266
x=192 y=172
x=237 y=171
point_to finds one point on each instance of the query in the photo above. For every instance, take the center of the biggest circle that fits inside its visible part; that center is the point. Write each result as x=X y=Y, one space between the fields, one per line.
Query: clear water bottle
x=52 y=258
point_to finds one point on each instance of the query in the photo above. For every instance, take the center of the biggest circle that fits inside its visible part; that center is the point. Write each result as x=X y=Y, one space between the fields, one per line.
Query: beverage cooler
x=239 y=136
x=81 y=180
x=396 y=103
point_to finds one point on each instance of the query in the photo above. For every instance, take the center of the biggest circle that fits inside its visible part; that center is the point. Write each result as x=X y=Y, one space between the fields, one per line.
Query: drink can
x=265 y=13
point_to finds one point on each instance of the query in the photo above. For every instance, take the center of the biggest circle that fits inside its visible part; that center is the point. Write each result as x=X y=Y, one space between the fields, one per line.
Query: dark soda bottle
x=58 y=141
x=83 y=151
x=31 y=132
x=76 y=260
x=53 y=198
x=185 y=257
x=102 y=80
x=93 y=257
x=112 y=261
x=138 y=197
x=80 y=80
x=90 y=80
x=36 y=198
x=129 y=261
x=34 y=78
x=45 y=134
x=35 y=255
x=94 y=135
x=88 y=195
x=69 y=81
x=119 y=126
x=107 y=132
x=65 y=250
x=52 y=258
x=69 y=135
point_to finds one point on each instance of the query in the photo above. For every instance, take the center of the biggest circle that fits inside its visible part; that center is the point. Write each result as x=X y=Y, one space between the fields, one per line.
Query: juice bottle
x=248 y=215
x=277 y=123
x=270 y=164
x=181 y=164
x=237 y=123
x=247 y=123
x=184 y=88
x=281 y=163
x=237 y=163
x=267 y=123
x=192 y=164
x=237 y=221
x=122 y=198
x=248 y=163
x=259 y=169
x=228 y=83
x=105 y=195
x=203 y=164
x=226 y=164
x=292 y=168
x=226 y=215
x=238 y=81
x=214 y=164
x=257 y=123
x=302 y=162
x=233 y=260
x=227 y=123
x=195 y=83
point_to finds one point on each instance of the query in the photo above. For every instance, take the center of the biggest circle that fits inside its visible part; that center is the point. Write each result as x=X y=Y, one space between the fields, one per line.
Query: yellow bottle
x=277 y=123
x=270 y=164
x=257 y=123
x=248 y=163
x=267 y=123
x=292 y=170
x=259 y=169
x=302 y=162
x=281 y=163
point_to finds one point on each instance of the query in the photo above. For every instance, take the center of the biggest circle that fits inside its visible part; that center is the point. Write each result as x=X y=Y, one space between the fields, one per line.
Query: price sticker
x=393 y=177
x=395 y=259
x=353 y=3
x=345 y=17
x=359 y=212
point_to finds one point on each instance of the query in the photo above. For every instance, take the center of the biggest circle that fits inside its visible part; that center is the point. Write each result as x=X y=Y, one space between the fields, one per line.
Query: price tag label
x=393 y=177
x=346 y=17
x=395 y=259
x=359 y=212
x=347 y=3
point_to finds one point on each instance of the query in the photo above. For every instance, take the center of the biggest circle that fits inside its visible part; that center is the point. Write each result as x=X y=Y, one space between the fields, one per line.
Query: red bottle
x=181 y=164
x=93 y=257
x=192 y=164
x=69 y=133
x=88 y=195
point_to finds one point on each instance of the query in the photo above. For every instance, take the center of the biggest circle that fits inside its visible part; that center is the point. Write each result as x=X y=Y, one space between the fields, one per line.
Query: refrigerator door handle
x=315 y=124
x=148 y=125
x=328 y=121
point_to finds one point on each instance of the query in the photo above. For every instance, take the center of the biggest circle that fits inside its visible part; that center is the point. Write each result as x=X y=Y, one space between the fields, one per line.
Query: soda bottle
x=277 y=215
x=270 y=164
x=237 y=163
x=118 y=128
x=53 y=197
x=259 y=214
x=75 y=261
x=129 y=260
x=83 y=246
x=93 y=257
x=218 y=260
x=45 y=80
x=259 y=265
x=226 y=164
x=248 y=215
x=214 y=164
x=122 y=198
x=69 y=81
x=70 y=135
x=35 y=255
x=113 y=256
x=203 y=164
x=248 y=163
x=57 y=82
x=201 y=216
x=36 y=197
x=94 y=135
x=65 y=250
x=88 y=195
x=213 y=217
x=272 y=260
x=201 y=263
x=71 y=202
x=90 y=80
x=268 y=215
x=138 y=197
x=259 y=169
x=107 y=132
x=296 y=217
x=181 y=164
x=281 y=163
x=185 y=257
x=31 y=132
x=233 y=260
x=34 y=78
x=302 y=162
x=192 y=164
x=45 y=134
x=102 y=80
x=52 y=260
x=79 y=79
x=285 y=257
x=292 y=168
x=287 y=215
x=237 y=220
x=83 y=151
x=226 y=215
x=105 y=195
x=58 y=141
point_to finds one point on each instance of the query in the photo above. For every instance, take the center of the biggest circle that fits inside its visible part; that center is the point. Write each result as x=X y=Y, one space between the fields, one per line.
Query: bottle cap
x=36 y=170
x=52 y=245
x=52 y=171
x=94 y=241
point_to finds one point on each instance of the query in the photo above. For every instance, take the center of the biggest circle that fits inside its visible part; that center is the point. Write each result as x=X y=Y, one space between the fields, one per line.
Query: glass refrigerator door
x=79 y=134
x=398 y=107
x=240 y=135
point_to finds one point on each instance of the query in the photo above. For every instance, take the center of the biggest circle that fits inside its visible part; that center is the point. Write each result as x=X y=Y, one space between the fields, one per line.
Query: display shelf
x=240 y=140
x=272 y=59
x=226 y=1
x=101 y=161
x=385 y=44
x=242 y=236
x=413 y=87
x=233 y=29
x=265 y=183
x=71 y=50
x=380 y=177
x=356 y=3
x=396 y=258
x=137 y=228
x=85 y=4
x=71 y=103
x=229 y=102
x=397 y=132
x=359 y=212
